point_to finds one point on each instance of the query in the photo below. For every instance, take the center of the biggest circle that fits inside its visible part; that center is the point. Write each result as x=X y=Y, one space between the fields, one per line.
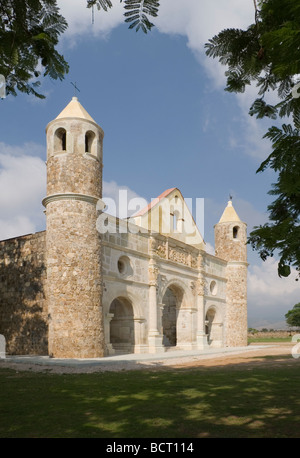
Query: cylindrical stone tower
x=74 y=275
x=230 y=245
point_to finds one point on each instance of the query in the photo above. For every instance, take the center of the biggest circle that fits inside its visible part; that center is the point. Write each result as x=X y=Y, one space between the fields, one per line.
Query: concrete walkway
x=134 y=358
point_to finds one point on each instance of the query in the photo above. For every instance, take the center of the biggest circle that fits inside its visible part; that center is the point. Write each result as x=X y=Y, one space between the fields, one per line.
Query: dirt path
x=276 y=355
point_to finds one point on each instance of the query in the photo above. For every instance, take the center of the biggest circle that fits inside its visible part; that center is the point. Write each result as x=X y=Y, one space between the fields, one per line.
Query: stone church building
x=92 y=284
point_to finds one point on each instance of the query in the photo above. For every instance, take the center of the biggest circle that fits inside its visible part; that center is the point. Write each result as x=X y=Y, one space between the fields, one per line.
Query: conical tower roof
x=74 y=109
x=229 y=214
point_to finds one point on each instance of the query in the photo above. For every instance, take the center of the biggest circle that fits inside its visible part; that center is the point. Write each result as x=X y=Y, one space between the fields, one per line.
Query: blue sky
x=168 y=123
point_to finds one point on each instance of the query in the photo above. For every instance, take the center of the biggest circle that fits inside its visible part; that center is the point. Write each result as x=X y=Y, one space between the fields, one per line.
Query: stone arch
x=116 y=291
x=60 y=140
x=177 y=283
x=214 y=326
x=122 y=333
x=177 y=315
x=90 y=142
x=235 y=232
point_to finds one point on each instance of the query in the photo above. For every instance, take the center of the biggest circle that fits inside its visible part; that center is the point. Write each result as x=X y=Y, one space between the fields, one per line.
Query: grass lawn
x=189 y=403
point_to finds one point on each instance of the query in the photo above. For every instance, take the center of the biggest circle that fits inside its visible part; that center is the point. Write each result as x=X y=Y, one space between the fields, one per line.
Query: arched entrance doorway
x=122 y=336
x=171 y=303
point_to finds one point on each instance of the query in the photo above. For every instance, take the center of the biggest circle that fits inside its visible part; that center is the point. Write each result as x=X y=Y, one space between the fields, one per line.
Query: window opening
x=235 y=232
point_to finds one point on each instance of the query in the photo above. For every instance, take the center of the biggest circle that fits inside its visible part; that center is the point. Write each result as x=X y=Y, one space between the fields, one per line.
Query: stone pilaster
x=199 y=291
x=154 y=336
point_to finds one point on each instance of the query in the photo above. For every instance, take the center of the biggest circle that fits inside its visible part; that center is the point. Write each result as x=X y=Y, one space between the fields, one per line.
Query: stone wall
x=73 y=173
x=23 y=308
x=228 y=246
x=231 y=245
x=74 y=286
x=74 y=277
x=236 y=317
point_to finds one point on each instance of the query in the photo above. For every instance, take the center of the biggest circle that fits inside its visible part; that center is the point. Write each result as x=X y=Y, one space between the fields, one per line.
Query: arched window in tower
x=89 y=141
x=235 y=232
x=60 y=140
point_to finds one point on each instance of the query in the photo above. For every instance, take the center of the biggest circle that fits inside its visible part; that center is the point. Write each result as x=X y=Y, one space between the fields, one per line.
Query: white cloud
x=268 y=294
x=264 y=280
x=27 y=149
x=121 y=201
x=249 y=137
x=199 y=21
x=251 y=141
x=16 y=226
x=22 y=188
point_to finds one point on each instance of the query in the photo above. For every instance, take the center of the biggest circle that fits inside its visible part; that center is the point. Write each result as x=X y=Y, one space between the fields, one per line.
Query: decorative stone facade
x=93 y=285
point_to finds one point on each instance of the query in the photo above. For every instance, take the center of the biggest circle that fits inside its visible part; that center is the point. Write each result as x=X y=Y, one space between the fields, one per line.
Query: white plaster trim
x=73 y=196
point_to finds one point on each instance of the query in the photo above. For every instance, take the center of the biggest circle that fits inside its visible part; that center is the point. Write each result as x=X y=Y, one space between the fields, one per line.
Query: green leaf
x=29 y=36
x=284 y=270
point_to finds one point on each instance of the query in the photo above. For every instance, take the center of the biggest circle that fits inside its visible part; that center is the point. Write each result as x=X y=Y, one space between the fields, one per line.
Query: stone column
x=109 y=348
x=154 y=336
x=138 y=332
x=201 y=335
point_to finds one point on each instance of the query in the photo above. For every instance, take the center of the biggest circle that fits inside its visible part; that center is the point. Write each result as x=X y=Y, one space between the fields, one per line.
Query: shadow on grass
x=257 y=402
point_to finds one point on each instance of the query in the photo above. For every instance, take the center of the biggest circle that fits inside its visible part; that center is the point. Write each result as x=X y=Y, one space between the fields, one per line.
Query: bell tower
x=74 y=276
x=230 y=245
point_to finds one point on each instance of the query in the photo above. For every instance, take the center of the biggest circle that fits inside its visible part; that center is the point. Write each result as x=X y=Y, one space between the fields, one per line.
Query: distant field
x=271 y=336
x=254 y=339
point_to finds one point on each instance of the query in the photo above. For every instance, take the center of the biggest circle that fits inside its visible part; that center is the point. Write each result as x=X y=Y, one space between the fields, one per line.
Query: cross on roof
x=75 y=88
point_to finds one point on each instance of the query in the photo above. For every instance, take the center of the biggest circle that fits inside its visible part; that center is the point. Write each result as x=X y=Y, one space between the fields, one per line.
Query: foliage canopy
x=293 y=316
x=267 y=54
x=137 y=11
x=29 y=33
